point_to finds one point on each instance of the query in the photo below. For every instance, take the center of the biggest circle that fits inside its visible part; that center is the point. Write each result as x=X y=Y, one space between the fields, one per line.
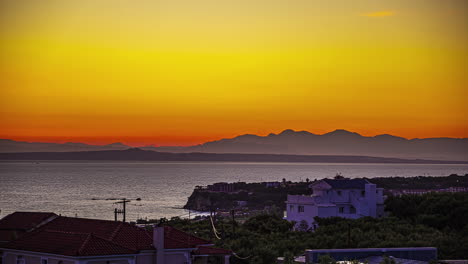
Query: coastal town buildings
x=348 y=198
x=399 y=192
x=46 y=238
x=273 y=184
x=222 y=187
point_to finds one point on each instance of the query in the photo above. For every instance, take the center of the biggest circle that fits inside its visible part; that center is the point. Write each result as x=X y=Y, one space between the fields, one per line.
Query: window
x=44 y=261
x=352 y=210
x=363 y=193
x=20 y=260
x=339 y=193
x=341 y=209
x=300 y=208
x=291 y=207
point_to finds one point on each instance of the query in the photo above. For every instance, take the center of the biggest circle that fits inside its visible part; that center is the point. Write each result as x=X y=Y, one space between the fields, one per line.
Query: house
x=221 y=187
x=272 y=184
x=348 y=198
x=69 y=240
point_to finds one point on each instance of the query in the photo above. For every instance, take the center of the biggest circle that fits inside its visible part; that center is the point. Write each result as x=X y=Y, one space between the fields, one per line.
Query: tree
x=387 y=260
x=303 y=226
x=288 y=258
x=326 y=259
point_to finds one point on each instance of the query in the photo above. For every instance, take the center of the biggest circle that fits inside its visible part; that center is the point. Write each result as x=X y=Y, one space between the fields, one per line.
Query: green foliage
x=288 y=258
x=326 y=259
x=437 y=220
x=387 y=260
x=421 y=182
x=438 y=210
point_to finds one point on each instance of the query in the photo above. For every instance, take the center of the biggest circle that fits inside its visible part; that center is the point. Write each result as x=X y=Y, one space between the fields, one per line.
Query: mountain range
x=338 y=142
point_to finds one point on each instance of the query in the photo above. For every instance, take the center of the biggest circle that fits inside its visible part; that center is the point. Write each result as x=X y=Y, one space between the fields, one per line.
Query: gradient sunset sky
x=181 y=72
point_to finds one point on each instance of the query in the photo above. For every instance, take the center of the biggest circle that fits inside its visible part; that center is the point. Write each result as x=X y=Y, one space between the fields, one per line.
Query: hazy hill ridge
x=12 y=146
x=338 y=142
x=136 y=154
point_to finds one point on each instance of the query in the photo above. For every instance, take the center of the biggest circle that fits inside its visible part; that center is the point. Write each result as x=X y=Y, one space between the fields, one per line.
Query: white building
x=348 y=198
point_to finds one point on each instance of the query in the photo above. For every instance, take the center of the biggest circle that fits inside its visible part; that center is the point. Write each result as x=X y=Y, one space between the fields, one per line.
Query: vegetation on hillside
x=435 y=219
x=259 y=196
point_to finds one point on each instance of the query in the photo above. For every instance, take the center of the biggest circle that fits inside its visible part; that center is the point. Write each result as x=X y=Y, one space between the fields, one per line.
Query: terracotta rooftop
x=125 y=234
x=16 y=224
x=24 y=220
x=68 y=244
x=174 y=238
x=89 y=237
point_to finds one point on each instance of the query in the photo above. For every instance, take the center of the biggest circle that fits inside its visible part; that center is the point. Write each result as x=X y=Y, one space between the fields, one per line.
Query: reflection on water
x=90 y=189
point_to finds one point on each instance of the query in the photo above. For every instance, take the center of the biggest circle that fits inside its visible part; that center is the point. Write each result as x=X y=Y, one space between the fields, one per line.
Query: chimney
x=158 y=242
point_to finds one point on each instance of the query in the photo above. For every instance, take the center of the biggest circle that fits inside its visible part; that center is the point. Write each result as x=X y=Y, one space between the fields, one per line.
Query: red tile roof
x=24 y=220
x=68 y=244
x=124 y=234
x=88 y=237
x=174 y=238
x=16 y=224
x=8 y=235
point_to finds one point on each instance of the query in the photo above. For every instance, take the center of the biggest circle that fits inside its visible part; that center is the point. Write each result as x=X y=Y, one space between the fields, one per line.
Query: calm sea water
x=82 y=188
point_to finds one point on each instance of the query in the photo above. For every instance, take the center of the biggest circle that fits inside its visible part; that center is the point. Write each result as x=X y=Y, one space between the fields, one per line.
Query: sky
x=183 y=72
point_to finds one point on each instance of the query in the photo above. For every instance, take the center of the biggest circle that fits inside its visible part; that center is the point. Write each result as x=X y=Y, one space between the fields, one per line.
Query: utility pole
x=233 y=222
x=124 y=211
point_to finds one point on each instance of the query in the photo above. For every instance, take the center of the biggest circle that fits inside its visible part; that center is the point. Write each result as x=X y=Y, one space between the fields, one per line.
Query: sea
x=90 y=189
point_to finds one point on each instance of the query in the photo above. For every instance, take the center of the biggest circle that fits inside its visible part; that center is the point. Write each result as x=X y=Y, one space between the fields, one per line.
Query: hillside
x=148 y=155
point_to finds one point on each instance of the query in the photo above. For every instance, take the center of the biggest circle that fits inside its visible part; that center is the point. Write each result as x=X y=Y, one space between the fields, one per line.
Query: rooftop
x=16 y=224
x=68 y=244
x=347 y=183
x=71 y=236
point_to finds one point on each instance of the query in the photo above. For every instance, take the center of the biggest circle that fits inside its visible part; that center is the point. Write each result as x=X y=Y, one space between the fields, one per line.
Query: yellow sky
x=180 y=72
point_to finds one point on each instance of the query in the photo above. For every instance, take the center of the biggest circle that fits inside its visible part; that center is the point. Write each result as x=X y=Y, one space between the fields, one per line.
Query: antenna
x=123 y=211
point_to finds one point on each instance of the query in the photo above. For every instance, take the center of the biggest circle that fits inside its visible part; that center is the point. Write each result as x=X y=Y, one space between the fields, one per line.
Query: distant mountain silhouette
x=136 y=154
x=8 y=146
x=338 y=142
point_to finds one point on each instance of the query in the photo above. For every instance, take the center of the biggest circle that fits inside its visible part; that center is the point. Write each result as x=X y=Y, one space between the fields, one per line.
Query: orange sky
x=182 y=72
